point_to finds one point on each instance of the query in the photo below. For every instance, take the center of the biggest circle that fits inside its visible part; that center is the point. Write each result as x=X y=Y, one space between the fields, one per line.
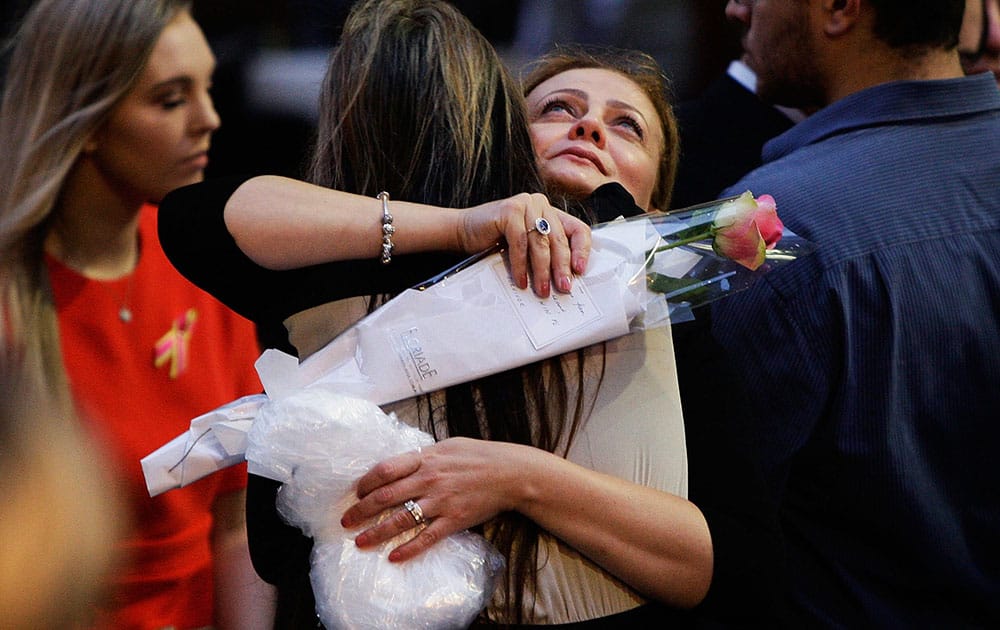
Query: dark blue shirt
x=874 y=364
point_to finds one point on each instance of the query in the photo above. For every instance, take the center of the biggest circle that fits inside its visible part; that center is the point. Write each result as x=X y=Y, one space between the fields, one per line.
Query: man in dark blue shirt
x=874 y=365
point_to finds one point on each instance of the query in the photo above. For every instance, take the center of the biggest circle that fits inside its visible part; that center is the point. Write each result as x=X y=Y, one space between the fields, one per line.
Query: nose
x=204 y=118
x=738 y=11
x=589 y=129
x=991 y=41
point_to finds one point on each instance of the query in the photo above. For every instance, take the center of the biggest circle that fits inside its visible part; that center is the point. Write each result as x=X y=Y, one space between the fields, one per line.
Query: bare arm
x=242 y=600
x=654 y=541
x=282 y=223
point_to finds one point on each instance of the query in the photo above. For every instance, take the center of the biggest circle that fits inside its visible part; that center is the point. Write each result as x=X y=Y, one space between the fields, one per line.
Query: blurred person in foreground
x=873 y=364
x=56 y=549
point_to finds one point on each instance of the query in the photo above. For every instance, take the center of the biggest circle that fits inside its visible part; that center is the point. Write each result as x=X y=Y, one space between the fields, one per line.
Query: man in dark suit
x=722 y=132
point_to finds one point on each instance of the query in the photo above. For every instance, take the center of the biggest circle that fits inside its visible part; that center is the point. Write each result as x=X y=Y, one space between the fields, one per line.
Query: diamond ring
x=414 y=509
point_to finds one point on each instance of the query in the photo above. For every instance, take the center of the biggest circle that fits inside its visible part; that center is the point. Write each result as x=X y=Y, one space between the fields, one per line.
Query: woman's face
x=158 y=136
x=591 y=126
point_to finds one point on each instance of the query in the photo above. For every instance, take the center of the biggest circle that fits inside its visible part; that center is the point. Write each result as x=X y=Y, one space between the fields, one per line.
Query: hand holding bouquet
x=468 y=322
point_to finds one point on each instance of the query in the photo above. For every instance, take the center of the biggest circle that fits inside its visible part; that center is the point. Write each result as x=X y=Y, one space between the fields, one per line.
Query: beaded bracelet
x=387 y=229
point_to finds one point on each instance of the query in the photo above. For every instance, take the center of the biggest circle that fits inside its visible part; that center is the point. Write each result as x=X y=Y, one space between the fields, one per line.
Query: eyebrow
x=182 y=81
x=615 y=103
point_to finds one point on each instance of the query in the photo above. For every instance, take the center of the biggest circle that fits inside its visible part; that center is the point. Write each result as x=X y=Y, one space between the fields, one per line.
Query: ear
x=841 y=16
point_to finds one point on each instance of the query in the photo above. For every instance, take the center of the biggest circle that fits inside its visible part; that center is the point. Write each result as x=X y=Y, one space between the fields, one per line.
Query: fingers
x=543 y=249
x=553 y=255
x=388 y=471
x=580 y=242
x=549 y=260
x=406 y=514
x=429 y=530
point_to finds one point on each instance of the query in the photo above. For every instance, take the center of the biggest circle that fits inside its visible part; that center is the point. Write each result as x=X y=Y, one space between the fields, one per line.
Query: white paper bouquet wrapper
x=318 y=442
x=318 y=428
x=468 y=323
x=472 y=321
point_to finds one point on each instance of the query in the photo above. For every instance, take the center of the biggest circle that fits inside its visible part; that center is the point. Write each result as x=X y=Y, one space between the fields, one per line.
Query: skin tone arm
x=657 y=543
x=242 y=600
x=275 y=222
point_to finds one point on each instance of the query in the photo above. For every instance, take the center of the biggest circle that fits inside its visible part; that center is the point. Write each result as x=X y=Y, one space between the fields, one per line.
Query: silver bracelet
x=387 y=229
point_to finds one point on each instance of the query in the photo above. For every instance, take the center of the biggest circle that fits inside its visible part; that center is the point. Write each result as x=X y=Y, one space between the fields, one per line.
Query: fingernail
x=565 y=284
x=544 y=289
x=579 y=265
x=361 y=540
x=522 y=281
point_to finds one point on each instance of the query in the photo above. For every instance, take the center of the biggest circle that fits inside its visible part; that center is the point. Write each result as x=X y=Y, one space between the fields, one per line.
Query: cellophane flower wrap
x=716 y=249
x=318 y=428
x=317 y=442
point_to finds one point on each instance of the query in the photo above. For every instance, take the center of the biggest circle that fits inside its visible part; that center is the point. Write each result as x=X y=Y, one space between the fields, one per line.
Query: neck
x=888 y=65
x=94 y=231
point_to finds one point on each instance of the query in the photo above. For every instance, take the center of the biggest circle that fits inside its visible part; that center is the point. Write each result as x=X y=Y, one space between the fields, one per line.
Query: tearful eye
x=633 y=125
x=556 y=106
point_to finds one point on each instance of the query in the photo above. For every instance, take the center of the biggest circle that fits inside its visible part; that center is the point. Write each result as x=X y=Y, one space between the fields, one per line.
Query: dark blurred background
x=271 y=56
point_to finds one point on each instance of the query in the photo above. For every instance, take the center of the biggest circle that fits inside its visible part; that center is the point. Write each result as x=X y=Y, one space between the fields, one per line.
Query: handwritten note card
x=549 y=319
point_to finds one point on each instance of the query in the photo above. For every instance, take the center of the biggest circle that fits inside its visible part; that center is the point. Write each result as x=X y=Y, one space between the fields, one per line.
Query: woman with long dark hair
x=416 y=102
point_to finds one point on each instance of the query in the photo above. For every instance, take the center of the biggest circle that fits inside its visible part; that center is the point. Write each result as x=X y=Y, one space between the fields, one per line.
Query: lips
x=580 y=152
x=199 y=159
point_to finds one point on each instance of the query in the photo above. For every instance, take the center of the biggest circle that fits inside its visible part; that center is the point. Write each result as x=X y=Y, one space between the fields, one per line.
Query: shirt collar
x=890 y=103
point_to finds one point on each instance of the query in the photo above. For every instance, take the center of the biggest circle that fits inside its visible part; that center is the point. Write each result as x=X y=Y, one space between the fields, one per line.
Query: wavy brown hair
x=417 y=102
x=639 y=68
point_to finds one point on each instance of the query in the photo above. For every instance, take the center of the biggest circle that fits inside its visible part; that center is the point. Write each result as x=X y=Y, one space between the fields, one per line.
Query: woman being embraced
x=577 y=467
x=606 y=142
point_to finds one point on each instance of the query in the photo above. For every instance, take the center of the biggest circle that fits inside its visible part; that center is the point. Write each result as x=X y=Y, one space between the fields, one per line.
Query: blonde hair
x=72 y=61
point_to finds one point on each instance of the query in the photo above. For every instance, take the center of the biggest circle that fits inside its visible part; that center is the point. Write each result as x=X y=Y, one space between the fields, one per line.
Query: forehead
x=602 y=88
x=599 y=84
x=181 y=50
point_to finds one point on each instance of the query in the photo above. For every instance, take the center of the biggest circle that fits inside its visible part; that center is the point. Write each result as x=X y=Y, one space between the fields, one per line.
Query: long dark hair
x=417 y=102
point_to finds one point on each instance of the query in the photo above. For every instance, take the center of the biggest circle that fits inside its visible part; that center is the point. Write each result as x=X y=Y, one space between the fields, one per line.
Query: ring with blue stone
x=541 y=226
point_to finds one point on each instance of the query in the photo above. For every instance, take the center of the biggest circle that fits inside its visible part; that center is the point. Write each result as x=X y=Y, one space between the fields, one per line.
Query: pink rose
x=766 y=218
x=744 y=228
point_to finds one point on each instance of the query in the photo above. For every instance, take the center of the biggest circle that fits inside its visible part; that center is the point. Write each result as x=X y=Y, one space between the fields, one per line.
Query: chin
x=572 y=188
x=557 y=190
